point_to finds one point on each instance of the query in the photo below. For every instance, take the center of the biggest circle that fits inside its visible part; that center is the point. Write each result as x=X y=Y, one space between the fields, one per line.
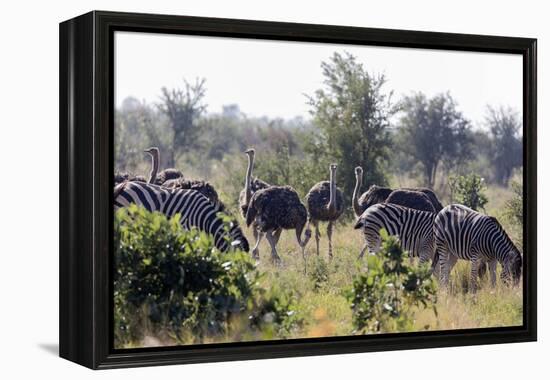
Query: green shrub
x=514 y=207
x=468 y=190
x=386 y=297
x=168 y=280
x=319 y=273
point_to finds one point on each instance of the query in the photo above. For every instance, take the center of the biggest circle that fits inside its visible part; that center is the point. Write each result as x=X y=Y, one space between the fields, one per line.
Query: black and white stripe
x=413 y=227
x=195 y=210
x=462 y=233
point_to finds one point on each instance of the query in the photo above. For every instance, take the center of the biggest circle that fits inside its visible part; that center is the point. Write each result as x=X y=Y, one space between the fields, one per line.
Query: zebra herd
x=426 y=229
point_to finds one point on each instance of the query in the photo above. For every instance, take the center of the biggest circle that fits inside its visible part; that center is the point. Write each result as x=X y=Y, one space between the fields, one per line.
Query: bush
x=171 y=281
x=514 y=207
x=385 y=298
x=468 y=190
x=319 y=273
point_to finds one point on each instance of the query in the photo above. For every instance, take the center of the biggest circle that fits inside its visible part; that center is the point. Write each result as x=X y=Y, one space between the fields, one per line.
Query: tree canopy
x=434 y=132
x=352 y=112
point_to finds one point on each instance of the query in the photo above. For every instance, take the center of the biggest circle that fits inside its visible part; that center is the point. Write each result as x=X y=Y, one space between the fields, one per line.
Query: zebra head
x=512 y=268
x=238 y=240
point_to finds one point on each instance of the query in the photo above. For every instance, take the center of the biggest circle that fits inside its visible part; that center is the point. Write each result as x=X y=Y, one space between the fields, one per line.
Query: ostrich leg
x=273 y=243
x=277 y=235
x=329 y=235
x=317 y=235
x=258 y=235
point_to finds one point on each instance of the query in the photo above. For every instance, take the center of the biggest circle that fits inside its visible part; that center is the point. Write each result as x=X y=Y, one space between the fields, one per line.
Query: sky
x=270 y=78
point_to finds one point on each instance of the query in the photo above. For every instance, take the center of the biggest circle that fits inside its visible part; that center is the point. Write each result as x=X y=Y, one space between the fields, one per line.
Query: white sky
x=270 y=77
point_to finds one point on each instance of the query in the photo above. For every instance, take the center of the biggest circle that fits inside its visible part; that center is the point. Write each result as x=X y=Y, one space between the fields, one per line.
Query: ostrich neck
x=154 y=171
x=332 y=200
x=356 y=190
x=248 y=179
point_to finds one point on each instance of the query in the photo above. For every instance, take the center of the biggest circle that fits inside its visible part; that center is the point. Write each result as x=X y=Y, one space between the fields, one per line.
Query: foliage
x=138 y=126
x=433 y=131
x=514 y=207
x=177 y=282
x=319 y=273
x=386 y=297
x=276 y=314
x=352 y=113
x=469 y=191
x=506 y=149
x=183 y=107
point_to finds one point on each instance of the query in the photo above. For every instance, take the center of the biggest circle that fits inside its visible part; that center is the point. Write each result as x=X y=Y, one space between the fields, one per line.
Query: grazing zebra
x=462 y=233
x=413 y=227
x=195 y=209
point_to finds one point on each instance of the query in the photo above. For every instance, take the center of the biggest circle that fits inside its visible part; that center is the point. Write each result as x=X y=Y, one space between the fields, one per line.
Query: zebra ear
x=359 y=224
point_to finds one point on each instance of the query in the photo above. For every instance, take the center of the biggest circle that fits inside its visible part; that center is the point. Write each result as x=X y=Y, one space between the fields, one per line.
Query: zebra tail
x=435 y=261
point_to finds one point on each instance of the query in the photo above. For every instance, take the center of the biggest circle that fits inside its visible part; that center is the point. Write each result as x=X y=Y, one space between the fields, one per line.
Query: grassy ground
x=320 y=292
x=323 y=305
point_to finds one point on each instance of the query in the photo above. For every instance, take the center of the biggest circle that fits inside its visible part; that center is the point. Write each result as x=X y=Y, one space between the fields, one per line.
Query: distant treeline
x=355 y=122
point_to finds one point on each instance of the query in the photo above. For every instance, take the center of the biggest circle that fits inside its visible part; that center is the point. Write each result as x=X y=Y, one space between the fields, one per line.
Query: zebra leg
x=446 y=262
x=329 y=235
x=493 y=272
x=273 y=243
x=255 y=251
x=474 y=272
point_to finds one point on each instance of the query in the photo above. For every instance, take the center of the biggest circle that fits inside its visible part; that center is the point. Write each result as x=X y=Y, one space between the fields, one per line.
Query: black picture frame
x=86 y=110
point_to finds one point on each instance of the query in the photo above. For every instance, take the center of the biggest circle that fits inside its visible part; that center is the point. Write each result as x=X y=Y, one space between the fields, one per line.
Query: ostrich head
x=358 y=171
x=155 y=156
x=250 y=152
x=333 y=167
x=153 y=151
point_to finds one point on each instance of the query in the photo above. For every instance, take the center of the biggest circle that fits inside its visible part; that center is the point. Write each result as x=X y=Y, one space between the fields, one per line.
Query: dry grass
x=326 y=312
x=320 y=293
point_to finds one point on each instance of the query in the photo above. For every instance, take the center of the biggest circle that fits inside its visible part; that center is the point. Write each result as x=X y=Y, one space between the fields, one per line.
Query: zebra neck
x=502 y=248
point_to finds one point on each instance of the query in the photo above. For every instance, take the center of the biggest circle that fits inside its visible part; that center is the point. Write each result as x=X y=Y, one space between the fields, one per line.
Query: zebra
x=195 y=209
x=413 y=227
x=462 y=233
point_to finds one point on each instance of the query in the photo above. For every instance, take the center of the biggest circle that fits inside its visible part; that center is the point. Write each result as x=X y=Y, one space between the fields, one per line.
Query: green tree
x=183 y=107
x=138 y=126
x=352 y=115
x=506 y=148
x=468 y=190
x=434 y=132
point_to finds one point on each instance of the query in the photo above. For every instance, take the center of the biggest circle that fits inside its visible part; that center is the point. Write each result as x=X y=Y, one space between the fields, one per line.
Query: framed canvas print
x=237 y=189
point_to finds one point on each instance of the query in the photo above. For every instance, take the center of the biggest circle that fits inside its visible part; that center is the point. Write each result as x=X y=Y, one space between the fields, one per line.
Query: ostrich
x=125 y=177
x=325 y=203
x=274 y=209
x=419 y=199
x=251 y=186
x=173 y=179
x=198 y=185
x=412 y=199
x=167 y=174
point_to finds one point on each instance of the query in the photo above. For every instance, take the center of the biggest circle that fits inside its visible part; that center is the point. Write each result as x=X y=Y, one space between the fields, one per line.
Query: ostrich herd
x=425 y=228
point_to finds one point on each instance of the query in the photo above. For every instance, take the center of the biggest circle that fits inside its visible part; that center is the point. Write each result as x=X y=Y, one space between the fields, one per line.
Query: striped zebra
x=413 y=227
x=195 y=210
x=462 y=233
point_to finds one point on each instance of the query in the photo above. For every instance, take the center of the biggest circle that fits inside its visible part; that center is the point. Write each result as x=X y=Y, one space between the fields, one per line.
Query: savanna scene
x=272 y=190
